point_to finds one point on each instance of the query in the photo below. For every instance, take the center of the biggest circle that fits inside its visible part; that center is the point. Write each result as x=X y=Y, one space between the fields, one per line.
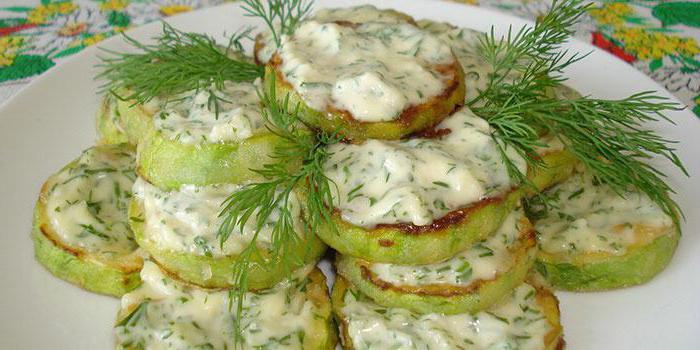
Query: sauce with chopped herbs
x=588 y=216
x=87 y=202
x=483 y=261
x=197 y=118
x=171 y=315
x=421 y=179
x=517 y=322
x=355 y=14
x=372 y=70
x=186 y=220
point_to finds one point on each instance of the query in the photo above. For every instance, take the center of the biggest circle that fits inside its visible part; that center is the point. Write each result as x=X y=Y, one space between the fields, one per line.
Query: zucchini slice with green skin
x=447 y=236
x=595 y=240
x=196 y=143
x=81 y=232
x=109 y=128
x=136 y=119
x=198 y=258
x=467 y=283
x=165 y=313
x=395 y=105
x=531 y=313
x=170 y=164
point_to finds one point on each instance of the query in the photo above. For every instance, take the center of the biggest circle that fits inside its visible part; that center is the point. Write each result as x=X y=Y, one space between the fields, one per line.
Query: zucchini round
x=195 y=143
x=80 y=232
x=167 y=313
x=394 y=114
x=592 y=239
x=467 y=283
x=447 y=236
x=109 y=128
x=209 y=270
x=530 y=313
x=136 y=119
x=170 y=164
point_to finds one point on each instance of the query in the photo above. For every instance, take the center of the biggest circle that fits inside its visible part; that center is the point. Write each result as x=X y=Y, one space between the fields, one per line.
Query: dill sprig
x=609 y=137
x=296 y=166
x=281 y=16
x=176 y=63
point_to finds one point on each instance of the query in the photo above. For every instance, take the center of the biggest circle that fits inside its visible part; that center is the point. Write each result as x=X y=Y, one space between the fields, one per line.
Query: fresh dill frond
x=176 y=63
x=609 y=137
x=295 y=168
x=281 y=16
x=531 y=58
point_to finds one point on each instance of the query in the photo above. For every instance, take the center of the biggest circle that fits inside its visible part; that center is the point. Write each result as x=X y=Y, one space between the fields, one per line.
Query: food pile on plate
x=437 y=245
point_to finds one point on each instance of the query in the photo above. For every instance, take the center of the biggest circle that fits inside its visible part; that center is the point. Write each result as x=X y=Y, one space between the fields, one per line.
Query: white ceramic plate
x=51 y=121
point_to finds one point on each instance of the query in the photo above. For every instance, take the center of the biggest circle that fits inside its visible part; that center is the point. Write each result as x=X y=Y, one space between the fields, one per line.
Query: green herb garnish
x=177 y=63
x=296 y=163
x=281 y=16
x=607 y=136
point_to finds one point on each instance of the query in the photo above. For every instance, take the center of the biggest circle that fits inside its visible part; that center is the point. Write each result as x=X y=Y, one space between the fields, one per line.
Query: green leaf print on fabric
x=672 y=13
x=25 y=66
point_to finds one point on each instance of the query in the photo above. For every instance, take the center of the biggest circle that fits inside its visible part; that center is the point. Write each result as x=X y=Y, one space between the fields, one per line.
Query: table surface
x=660 y=38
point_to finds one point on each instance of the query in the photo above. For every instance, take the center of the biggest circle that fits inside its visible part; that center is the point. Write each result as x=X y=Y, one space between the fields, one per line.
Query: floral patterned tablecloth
x=660 y=38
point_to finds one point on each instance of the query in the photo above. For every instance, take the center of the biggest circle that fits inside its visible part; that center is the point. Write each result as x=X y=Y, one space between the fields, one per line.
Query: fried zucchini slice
x=368 y=81
x=395 y=198
x=110 y=130
x=165 y=313
x=197 y=142
x=593 y=239
x=527 y=318
x=81 y=232
x=469 y=282
x=136 y=119
x=265 y=46
x=179 y=230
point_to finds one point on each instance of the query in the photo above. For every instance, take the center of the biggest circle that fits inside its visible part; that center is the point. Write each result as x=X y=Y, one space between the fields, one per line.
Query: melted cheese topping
x=187 y=219
x=87 y=202
x=354 y=14
x=517 y=323
x=419 y=180
x=174 y=316
x=483 y=261
x=590 y=217
x=194 y=119
x=372 y=70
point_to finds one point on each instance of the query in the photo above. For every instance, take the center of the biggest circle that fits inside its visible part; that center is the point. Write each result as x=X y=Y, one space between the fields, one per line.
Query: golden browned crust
x=455 y=217
x=527 y=241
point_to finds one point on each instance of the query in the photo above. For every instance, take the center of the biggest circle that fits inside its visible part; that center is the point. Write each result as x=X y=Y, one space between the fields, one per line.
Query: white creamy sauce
x=483 y=261
x=360 y=14
x=590 y=217
x=186 y=220
x=464 y=43
x=87 y=202
x=170 y=315
x=194 y=119
x=419 y=180
x=355 y=14
x=372 y=70
x=517 y=323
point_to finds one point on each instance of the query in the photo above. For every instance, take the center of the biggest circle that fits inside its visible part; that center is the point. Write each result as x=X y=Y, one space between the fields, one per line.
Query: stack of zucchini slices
x=437 y=246
x=192 y=156
x=428 y=226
